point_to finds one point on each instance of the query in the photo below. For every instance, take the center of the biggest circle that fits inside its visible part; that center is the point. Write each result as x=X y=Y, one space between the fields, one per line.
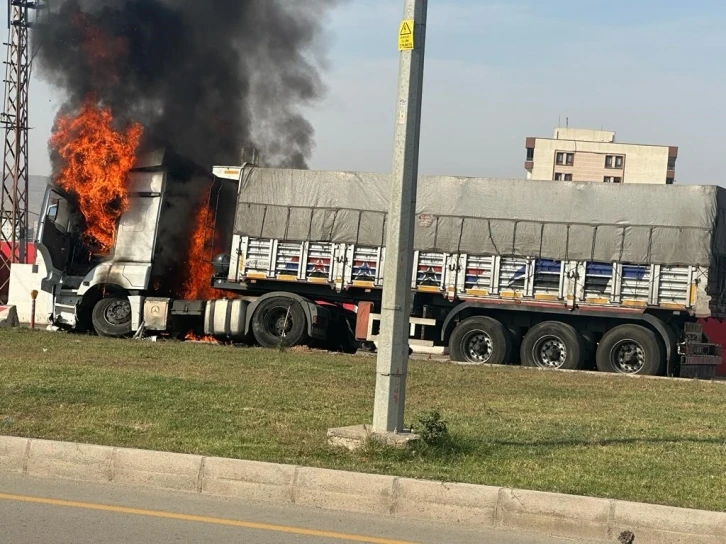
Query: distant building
x=593 y=155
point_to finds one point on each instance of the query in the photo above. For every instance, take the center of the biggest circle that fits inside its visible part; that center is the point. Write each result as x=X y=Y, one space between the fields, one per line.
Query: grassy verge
x=655 y=441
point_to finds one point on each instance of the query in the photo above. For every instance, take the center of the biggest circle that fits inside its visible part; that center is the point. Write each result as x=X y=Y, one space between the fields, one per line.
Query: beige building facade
x=574 y=154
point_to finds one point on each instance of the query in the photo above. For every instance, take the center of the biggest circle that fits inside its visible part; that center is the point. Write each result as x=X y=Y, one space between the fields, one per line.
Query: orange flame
x=97 y=159
x=191 y=337
x=199 y=266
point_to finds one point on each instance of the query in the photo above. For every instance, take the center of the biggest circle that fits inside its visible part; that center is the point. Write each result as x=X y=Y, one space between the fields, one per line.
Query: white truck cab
x=106 y=293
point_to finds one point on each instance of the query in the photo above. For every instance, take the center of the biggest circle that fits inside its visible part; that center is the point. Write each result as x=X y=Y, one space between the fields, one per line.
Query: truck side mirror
x=52 y=212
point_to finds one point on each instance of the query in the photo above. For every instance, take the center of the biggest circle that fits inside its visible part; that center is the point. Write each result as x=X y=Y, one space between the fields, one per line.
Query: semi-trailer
x=550 y=274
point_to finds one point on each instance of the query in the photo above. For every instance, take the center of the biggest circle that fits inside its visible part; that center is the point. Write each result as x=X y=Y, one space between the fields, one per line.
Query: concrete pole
x=392 y=364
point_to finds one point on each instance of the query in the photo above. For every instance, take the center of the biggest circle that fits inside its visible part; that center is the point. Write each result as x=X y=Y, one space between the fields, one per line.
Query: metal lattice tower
x=14 y=205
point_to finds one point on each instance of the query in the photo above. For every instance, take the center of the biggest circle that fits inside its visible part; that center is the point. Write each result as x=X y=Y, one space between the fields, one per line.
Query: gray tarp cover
x=661 y=224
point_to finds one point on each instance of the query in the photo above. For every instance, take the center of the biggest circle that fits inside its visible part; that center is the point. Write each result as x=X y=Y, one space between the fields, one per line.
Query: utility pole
x=14 y=201
x=392 y=364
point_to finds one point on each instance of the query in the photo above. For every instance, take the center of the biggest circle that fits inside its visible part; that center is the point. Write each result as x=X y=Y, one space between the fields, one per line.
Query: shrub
x=434 y=431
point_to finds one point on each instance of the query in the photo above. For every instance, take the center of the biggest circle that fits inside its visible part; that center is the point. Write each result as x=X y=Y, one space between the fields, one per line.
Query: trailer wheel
x=630 y=349
x=279 y=322
x=479 y=340
x=111 y=317
x=552 y=344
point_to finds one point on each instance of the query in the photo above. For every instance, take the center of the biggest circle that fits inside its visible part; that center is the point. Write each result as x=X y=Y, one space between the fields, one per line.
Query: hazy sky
x=497 y=72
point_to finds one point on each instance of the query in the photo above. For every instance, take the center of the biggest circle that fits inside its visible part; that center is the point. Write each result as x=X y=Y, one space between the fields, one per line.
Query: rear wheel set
x=282 y=322
x=279 y=322
x=625 y=349
x=481 y=340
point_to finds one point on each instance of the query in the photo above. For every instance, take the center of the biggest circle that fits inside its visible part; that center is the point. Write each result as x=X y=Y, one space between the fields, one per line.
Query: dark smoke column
x=207 y=77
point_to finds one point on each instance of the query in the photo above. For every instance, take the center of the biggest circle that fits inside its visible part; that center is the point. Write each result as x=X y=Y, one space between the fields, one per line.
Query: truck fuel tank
x=226 y=318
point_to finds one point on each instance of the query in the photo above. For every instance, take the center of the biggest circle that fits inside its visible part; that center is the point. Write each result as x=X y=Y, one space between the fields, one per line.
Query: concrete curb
x=472 y=506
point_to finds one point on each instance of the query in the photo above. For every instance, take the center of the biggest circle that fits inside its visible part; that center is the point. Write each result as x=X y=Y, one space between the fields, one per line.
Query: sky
x=499 y=71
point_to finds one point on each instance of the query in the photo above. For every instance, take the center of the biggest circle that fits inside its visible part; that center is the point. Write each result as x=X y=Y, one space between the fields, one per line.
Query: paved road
x=34 y=511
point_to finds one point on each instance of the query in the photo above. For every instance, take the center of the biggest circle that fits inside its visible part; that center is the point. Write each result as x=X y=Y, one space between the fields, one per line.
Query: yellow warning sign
x=405 y=35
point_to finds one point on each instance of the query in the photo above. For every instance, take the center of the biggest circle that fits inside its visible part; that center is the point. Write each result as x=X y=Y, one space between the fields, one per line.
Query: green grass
x=660 y=441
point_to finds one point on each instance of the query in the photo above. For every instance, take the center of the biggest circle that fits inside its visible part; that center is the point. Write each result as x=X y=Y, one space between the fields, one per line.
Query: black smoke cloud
x=207 y=77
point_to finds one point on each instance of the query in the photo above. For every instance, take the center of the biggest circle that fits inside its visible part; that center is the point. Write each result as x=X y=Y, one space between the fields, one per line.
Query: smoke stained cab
x=105 y=293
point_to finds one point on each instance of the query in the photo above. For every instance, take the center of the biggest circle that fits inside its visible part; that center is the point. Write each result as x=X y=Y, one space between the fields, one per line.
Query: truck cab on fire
x=105 y=292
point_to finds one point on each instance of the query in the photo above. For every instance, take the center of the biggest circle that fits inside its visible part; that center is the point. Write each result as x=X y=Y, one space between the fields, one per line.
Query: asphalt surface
x=34 y=511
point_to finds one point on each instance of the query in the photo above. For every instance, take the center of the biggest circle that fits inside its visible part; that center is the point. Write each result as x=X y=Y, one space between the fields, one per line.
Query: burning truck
x=170 y=239
x=552 y=274
x=159 y=240
x=567 y=276
x=122 y=222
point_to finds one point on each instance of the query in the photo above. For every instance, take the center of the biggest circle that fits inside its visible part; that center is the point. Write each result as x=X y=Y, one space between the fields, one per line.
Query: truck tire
x=479 y=340
x=344 y=339
x=339 y=339
x=341 y=332
x=279 y=322
x=631 y=349
x=111 y=317
x=555 y=345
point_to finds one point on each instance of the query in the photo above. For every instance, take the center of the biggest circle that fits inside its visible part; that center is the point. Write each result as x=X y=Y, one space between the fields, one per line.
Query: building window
x=568 y=177
x=565 y=158
x=558 y=176
x=612 y=179
x=672 y=162
x=614 y=161
x=669 y=181
x=530 y=153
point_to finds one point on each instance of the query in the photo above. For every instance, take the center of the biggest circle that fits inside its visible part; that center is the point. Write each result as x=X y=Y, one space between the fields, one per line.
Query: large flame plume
x=96 y=162
x=202 y=246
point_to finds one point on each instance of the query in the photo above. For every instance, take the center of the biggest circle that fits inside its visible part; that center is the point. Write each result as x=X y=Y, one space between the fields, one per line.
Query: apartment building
x=574 y=154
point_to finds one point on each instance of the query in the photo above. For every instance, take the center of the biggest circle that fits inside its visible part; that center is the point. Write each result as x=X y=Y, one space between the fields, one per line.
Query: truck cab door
x=54 y=238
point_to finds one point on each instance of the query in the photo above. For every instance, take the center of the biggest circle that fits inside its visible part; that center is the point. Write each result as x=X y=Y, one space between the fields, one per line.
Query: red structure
x=5 y=261
x=5 y=252
x=716 y=332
